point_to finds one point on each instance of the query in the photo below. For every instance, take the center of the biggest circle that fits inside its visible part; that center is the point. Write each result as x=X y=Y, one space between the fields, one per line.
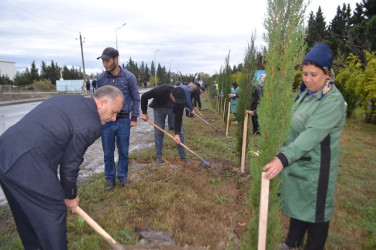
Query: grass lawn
x=208 y=207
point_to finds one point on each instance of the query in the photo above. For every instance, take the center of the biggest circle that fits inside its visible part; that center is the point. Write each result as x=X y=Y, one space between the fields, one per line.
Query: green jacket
x=310 y=156
x=235 y=101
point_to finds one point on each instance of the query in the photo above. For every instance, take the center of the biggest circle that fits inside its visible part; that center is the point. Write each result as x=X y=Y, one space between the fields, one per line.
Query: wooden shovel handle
x=95 y=226
x=181 y=144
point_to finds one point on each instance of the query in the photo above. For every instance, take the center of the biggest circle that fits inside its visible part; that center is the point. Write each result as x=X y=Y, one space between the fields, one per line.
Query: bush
x=43 y=85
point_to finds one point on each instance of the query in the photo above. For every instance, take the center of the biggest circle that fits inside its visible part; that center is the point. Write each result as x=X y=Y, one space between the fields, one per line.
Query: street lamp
x=155 y=68
x=116 y=33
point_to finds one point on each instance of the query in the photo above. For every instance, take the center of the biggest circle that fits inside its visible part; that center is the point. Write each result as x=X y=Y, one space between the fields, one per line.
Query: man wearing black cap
x=118 y=130
x=167 y=101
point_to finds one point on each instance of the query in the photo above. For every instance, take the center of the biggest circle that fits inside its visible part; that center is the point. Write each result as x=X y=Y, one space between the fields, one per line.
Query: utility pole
x=82 y=56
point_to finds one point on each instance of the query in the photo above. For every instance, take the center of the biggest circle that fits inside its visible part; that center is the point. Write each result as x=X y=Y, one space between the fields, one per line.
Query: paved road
x=142 y=137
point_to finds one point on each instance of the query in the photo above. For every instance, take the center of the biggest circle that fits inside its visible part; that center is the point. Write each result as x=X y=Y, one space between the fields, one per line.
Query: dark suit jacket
x=55 y=133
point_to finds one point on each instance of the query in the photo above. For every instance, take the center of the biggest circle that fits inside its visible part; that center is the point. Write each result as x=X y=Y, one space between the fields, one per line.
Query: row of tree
x=351 y=37
x=143 y=73
x=353 y=53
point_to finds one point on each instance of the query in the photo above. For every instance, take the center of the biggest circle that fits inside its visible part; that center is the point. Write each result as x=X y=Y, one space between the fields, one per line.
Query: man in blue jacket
x=51 y=138
x=189 y=90
x=120 y=129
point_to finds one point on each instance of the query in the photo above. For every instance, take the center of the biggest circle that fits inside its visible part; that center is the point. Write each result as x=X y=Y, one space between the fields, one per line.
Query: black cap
x=109 y=53
x=179 y=95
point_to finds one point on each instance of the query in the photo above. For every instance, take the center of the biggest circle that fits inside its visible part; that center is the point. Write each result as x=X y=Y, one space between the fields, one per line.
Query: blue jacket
x=127 y=83
x=188 y=96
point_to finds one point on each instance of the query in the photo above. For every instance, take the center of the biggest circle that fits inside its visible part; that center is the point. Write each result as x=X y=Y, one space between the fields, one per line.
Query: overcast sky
x=190 y=35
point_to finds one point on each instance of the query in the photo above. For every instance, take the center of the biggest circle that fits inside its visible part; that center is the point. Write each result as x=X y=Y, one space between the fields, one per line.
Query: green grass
x=208 y=207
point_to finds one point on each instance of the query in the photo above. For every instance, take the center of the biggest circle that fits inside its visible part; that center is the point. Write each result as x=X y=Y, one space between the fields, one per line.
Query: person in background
x=167 y=101
x=234 y=95
x=196 y=100
x=94 y=84
x=188 y=90
x=52 y=138
x=308 y=159
x=88 y=86
x=118 y=131
x=257 y=93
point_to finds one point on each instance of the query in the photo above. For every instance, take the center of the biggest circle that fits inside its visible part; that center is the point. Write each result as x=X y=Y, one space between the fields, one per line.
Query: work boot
x=110 y=185
x=185 y=159
x=159 y=159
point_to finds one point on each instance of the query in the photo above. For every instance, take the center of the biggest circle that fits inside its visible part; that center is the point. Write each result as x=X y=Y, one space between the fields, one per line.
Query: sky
x=188 y=36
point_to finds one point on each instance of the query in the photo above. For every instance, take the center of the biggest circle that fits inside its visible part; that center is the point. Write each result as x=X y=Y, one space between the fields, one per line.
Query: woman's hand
x=273 y=168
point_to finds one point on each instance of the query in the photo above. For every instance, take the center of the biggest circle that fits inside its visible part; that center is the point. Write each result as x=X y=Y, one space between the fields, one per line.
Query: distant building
x=7 y=68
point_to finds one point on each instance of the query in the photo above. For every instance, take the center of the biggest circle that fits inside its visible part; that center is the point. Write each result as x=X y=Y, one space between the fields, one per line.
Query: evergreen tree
x=43 y=70
x=311 y=34
x=247 y=87
x=285 y=38
x=152 y=68
x=147 y=73
x=316 y=29
x=34 y=75
x=226 y=83
x=338 y=31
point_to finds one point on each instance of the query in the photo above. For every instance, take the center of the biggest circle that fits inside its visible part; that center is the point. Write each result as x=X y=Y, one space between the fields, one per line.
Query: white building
x=7 y=68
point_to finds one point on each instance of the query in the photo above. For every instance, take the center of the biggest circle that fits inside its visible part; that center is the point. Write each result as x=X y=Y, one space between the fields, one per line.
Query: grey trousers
x=160 y=115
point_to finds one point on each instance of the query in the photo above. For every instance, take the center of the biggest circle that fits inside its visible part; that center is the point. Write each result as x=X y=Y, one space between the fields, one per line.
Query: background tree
x=34 y=75
x=316 y=31
x=338 y=31
x=358 y=84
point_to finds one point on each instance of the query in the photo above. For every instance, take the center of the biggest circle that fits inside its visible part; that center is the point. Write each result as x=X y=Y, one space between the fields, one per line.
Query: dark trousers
x=255 y=125
x=317 y=234
x=40 y=220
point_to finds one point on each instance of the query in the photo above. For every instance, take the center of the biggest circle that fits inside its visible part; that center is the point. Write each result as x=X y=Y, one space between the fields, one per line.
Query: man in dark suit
x=55 y=133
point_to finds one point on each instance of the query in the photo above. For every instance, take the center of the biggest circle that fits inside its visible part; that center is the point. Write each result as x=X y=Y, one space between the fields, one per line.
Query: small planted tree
x=246 y=85
x=285 y=39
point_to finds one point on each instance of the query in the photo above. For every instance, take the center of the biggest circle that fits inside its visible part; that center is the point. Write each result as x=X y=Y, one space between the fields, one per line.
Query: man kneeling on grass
x=167 y=101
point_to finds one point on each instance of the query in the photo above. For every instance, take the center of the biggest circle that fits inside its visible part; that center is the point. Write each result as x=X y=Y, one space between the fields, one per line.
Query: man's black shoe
x=110 y=185
x=185 y=159
x=159 y=159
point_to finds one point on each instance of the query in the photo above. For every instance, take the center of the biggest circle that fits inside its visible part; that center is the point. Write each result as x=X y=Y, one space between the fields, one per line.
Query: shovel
x=202 y=119
x=98 y=229
x=199 y=112
x=181 y=144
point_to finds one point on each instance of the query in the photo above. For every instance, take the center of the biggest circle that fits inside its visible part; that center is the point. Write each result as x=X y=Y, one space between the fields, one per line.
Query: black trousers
x=40 y=220
x=255 y=124
x=317 y=234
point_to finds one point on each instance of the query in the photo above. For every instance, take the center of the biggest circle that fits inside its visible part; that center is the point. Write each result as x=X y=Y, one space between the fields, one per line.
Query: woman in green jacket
x=308 y=159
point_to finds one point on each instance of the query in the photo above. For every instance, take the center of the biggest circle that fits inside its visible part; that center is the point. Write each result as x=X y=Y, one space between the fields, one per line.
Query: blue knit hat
x=321 y=55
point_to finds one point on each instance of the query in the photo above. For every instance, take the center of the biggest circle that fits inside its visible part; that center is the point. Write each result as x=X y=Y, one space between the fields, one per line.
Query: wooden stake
x=224 y=108
x=228 y=118
x=219 y=105
x=245 y=127
x=263 y=218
